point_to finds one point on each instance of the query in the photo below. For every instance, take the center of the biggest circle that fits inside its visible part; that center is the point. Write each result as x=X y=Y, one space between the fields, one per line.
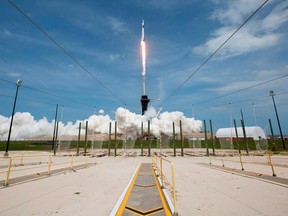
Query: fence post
x=115 y=150
x=56 y=146
x=109 y=139
x=141 y=138
x=8 y=172
x=86 y=132
x=181 y=137
x=212 y=137
x=78 y=143
x=245 y=138
x=237 y=141
x=206 y=144
x=149 y=140
x=174 y=145
x=272 y=135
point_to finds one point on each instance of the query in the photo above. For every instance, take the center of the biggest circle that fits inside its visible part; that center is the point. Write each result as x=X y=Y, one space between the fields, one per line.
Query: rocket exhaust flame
x=143 y=47
x=143 y=58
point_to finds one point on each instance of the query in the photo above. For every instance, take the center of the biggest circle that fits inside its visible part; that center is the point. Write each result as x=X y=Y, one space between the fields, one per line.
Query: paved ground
x=95 y=190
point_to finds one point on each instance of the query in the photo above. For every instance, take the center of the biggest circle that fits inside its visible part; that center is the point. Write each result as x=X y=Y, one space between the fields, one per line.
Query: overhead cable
x=65 y=51
x=210 y=57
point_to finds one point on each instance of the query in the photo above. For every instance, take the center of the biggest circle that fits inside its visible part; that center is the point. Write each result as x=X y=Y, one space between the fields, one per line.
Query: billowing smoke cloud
x=128 y=123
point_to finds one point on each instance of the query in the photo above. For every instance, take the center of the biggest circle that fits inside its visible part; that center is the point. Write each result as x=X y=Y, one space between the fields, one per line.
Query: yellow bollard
x=21 y=163
x=49 y=165
x=72 y=162
x=271 y=164
x=240 y=156
x=8 y=172
x=161 y=171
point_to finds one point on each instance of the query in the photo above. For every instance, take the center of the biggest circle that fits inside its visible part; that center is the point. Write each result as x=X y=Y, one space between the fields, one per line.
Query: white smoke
x=128 y=123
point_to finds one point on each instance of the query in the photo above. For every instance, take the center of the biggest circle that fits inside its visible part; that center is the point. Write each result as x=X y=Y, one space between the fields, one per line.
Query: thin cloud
x=258 y=34
x=6 y=32
x=116 y=25
x=14 y=74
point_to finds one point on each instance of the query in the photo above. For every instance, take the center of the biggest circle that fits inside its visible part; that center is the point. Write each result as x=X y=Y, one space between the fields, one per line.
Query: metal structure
x=272 y=94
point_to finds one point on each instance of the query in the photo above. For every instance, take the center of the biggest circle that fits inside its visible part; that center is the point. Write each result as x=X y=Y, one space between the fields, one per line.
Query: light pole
x=272 y=94
x=192 y=110
x=18 y=84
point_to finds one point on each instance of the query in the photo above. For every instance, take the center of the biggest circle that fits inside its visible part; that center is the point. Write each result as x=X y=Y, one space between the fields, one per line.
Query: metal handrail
x=49 y=165
x=269 y=162
x=162 y=177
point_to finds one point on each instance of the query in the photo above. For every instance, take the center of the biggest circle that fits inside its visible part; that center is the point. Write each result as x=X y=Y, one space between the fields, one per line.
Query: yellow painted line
x=145 y=186
x=149 y=212
x=127 y=195
x=165 y=205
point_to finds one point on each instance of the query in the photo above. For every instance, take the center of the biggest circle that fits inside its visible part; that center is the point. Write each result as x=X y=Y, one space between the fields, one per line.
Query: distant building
x=254 y=132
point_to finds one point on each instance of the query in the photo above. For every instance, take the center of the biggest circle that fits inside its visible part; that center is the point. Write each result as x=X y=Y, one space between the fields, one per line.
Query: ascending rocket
x=144 y=98
x=143 y=37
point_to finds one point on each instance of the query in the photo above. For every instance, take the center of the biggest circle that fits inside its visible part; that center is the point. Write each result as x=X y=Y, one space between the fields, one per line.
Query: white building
x=254 y=132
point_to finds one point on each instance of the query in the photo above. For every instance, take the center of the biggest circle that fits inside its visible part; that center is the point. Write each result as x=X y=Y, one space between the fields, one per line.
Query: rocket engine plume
x=143 y=47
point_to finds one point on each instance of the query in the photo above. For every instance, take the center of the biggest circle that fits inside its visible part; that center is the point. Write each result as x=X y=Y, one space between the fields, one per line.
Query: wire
x=41 y=102
x=243 y=89
x=47 y=93
x=208 y=59
x=7 y=81
x=65 y=51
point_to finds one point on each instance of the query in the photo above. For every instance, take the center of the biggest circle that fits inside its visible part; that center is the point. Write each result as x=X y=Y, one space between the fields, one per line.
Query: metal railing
x=28 y=165
x=268 y=163
x=158 y=164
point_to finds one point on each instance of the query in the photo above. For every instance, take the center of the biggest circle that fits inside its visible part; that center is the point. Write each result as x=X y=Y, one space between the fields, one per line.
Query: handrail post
x=72 y=158
x=8 y=172
x=174 y=190
x=49 y=165
x=161 y=171
x=271 y=164
x=241 y=162
x=174 y=144
x=21 y=163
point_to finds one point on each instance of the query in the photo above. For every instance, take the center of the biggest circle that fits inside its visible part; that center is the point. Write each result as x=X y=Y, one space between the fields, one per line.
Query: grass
x=47 y=145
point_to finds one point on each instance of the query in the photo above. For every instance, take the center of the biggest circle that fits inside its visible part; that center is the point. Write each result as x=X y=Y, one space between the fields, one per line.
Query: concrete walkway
x=144 y=196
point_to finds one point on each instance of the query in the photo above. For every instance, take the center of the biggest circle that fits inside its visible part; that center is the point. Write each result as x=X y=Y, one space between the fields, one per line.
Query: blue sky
x=104 y=37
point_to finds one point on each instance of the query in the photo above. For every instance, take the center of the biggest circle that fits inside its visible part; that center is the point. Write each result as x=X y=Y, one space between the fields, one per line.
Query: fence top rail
x=29 y=156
